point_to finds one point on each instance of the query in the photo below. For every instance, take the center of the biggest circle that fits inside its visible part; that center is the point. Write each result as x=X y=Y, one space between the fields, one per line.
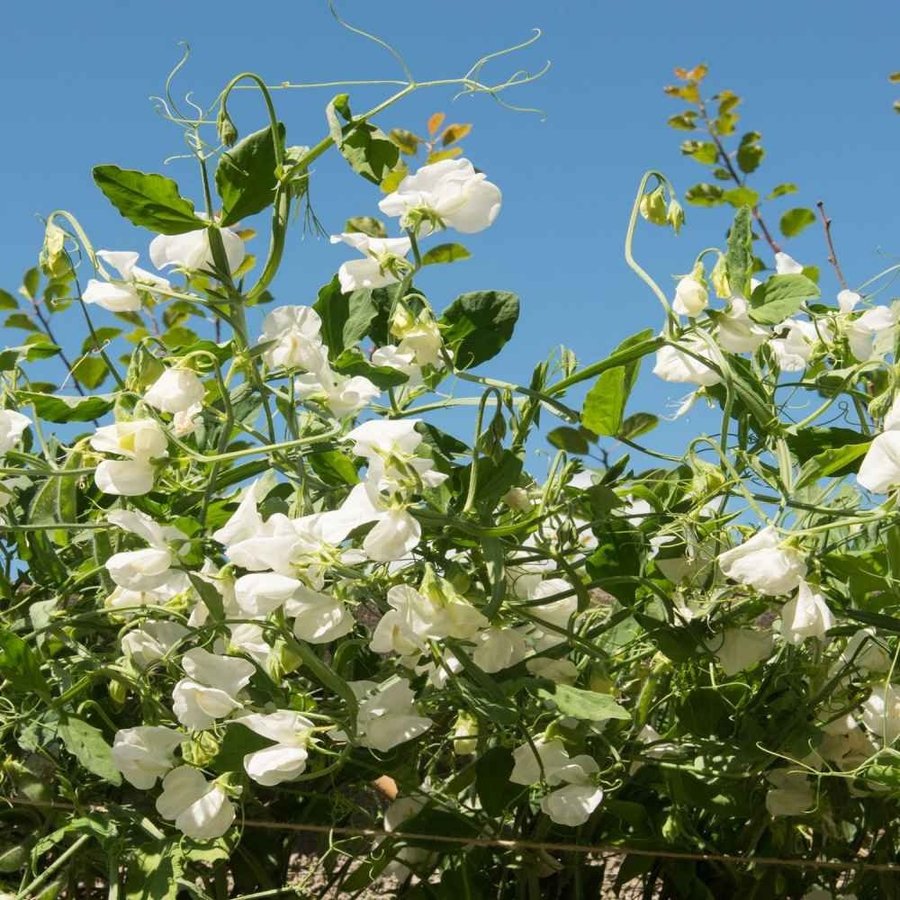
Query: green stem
x=27 y=892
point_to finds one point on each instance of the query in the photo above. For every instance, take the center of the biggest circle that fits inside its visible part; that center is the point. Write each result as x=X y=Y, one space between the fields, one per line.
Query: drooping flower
x=791 y=794
x=294 y=332
x=880 y=468
x=286 y=758
x=152 y=642
x=124 y=294
x=318 y=618
x=210 y=690
x=175 y=391
x=445 y=194
x=499 y=648
x=387 y=714
x=765 y=562
x=787 y=265
x=201 y=809
x=794 y=347
x=805 y=615
x=881 y=712
x=691 y=297
x=848 y=300
x=384 y=261
x=572 y=804
x=738 y=649
x=12 y=427
x=191 y=251
x=873 y=334
x=145 y=753
x=681 y=364
x=736 y=331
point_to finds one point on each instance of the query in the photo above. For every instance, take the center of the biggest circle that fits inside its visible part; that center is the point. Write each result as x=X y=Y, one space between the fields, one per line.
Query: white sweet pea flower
x=881 y=712
x=793 y=349
x=419 y=335
x=145 y=753
x=863 y=652
x=12 y=427
x=737 y=332
x=140 y=570
x=147 y=569
x=261 y=593
x=403 y=360
x=806 y=615
x=738 y=649
x=765 y=562
x=191 y=251
x=573 y=804
x=559 y=671
x=123 y=295
x=848 y=300
x=791 y=794
x=873 y=334
x=344 y=396
x=787 y=265
x=675 y=365
x=295 y=331
x=381 y=437
x=445 y=194
x=387 y=714
x=384 y=261
x=201 y=809
x=498 y=649
x=175 y=391
x=548 y=761
x=286 y=758
x=125 y=602
x=245 y=521
x=880 y=469
x=395 y=533
x=691 y=297
x=415 y=619
x=154 y=641
x=210 y=689
x=318 y=618
x=140 y=441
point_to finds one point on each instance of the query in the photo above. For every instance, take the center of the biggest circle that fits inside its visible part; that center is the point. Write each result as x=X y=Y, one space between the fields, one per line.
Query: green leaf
x=31 y=281
x=704 y=194
x=370 y=152
x=779 y=297
x=20 y=666
x=91 y=371
x=211 y=598
x=796 y=220
x=477 y=325
x=832 y=463
x=586 y=705
x=636 y=425
x=604 y=405
x=407 y=142
x=684 y=121
x=148 y=200
x=345 y=317
x=704 y=152
x=352 y=362
x=245 y=175
x=492 y=784
x=445 y=253
x=61 y=408
x=7 y=301
x=739 y=256
x=572 y=440
x=741 y=196
x=781 y=190
x=20 y=321
x=333 y=467
x=750 y=154
x=87 y=745
x=366 y=225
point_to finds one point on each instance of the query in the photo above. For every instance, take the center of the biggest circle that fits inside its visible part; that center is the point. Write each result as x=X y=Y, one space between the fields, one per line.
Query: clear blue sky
x=76 y=78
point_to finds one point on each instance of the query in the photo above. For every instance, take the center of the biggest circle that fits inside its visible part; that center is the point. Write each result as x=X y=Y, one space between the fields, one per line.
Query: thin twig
x=515 y=844
x=832 y=256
